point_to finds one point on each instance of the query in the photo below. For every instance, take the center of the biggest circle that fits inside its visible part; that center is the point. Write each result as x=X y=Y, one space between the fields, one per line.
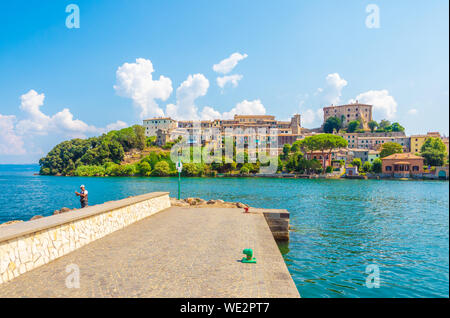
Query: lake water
x=339 y=227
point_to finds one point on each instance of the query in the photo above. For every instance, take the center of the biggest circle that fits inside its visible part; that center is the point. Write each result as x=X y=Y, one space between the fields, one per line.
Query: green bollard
x=249 y=256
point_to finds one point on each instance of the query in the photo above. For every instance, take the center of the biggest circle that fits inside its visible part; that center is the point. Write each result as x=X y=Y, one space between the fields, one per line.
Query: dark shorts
x=84 y=204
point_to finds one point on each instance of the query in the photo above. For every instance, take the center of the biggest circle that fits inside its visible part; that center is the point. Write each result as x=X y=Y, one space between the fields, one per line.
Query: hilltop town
x=348 y=144
x=353 y=122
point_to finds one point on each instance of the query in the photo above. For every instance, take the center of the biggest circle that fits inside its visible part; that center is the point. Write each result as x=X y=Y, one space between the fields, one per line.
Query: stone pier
x=134 y=251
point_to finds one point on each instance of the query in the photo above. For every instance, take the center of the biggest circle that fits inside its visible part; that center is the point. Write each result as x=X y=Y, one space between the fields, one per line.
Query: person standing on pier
x=83 y=196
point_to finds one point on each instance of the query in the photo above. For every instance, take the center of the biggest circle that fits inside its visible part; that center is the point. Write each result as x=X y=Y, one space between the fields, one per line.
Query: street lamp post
x=179 y=168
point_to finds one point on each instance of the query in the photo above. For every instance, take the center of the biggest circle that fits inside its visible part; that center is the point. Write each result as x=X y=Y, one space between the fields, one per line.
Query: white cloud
x=41 y=124
x=116 y=126
x=246 y=107
x=196 y=86
x=10 y=142
x=134 y=80
x=332 y=92
x=384 y=105
x=319 y=114
x=62 y=125
x=233 y=79
x=412 y=111
x=38 y=122
x=209 y=113
x=193 y=87
x=308 y=117
x=226 y=66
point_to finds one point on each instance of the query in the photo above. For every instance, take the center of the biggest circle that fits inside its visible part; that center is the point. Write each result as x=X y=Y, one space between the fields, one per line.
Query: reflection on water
x=339 y=227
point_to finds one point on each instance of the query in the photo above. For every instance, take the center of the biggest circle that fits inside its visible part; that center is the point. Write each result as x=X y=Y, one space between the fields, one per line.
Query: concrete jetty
x=177 y=252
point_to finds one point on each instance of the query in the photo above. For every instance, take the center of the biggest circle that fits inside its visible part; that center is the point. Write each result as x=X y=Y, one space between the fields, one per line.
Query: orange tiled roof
x=403 y=156
x=159 y=118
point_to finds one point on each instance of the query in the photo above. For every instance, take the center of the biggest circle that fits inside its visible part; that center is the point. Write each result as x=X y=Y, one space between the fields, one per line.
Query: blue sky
x=299 y=57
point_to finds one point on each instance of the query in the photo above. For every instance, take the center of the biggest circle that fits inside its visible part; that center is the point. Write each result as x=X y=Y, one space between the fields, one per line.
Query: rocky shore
x=200 y=203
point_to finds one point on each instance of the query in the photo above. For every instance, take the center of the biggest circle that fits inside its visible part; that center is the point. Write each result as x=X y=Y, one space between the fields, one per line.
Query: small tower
x=296 y=124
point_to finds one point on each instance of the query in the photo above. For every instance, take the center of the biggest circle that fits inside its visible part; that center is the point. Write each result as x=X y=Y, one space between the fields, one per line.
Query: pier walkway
x=179 y=252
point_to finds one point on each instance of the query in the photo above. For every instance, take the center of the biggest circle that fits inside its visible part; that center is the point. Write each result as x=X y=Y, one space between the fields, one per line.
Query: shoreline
x=281 y=176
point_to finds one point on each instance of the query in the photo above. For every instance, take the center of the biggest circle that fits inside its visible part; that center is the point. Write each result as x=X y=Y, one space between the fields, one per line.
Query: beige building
x=417 y=141
x=374 y=141
x=152 y=125
x=350 y=112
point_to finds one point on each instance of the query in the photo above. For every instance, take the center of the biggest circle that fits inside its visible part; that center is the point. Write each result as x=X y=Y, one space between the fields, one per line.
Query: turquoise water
x=338 y=226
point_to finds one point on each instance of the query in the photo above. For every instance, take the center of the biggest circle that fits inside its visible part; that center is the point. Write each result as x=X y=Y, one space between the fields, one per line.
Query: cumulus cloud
x=196 y=86
x=384 y=105
x=227 y=65
x=308 y=117
x=41 y=124
x=232 y=79
x=209 y=113
x=10 y=142
x=331 y=93
x=135 y=81
x=412 y=111
x=324 y=96
x=116 y=126
x=254 y=107
x=192 y=88
x=36 y=123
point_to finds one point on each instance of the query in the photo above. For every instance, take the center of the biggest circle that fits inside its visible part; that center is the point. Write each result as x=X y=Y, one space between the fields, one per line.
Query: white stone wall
x=24 y=253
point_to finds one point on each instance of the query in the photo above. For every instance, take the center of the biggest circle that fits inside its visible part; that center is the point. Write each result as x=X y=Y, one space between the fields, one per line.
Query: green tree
x=331 y=124
x=162 y=168
x=296 y=146
x=372 y=125
x=389 y=148
x=286 y=150
x=151 y=141
x=352 y=126
x=434 y=152
x=144 y=168
x=325 y=143
x=293 y=162
x=396 y=127
x=308 y=166
x=141 y=139
x=384 y=123
x=246 y=168
x=357 y=162
x=90 y=171
x=377 y=165
x=367 y=167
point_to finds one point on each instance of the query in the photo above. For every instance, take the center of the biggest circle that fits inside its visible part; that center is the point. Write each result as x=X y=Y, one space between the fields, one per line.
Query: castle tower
x=296 y=124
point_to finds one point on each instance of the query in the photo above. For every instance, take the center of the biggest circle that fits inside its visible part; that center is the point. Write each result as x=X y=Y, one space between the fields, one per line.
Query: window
x=415 y=168
x=388 y=168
